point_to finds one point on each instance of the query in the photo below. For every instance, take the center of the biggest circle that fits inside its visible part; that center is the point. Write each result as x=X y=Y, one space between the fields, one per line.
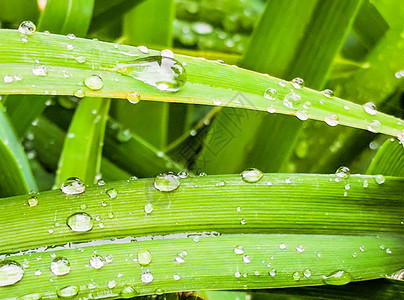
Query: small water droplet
x=362 y=248
x=302 y=115
x=343 y=172
x=97 y=262
x=282 y=246
x=176 y=277
x=307 y=273
x=237 y=274
x=133 y=97
x=270 y=94
x=243 y=222
x=166 y=74
x=147 y=277
x=298 y=83
x=79 y=93
x=167 y=53
x=374 y=126
x=292 y=100
x=251 y=175
x=272 y=272
x=338 y=278
x=148 y=208
x=10 y=272
x=72 y=186
x=8 y=79
x=27 y=27
x=239 y=250
x=370 y=108
x=300 y=248
x=380 y=179
x=38 y=272
x=143 y=49
x=108 y=258
x=111 y=284
x=80 y=59
x=271 y=109
x=246 y=259
x=328 y=93
x=331 y=119
x=68 y=291
x=80 y=222
x=183 y=174
x=33 y=201
x=144 y=257
x=40 y=70
x=112 y=193
x=296 y=276
x=94 y=82
x=166 y=182
x=70 y=36
x=128 y=292
x=388 y=251
x=69 y=46
x=60 y=266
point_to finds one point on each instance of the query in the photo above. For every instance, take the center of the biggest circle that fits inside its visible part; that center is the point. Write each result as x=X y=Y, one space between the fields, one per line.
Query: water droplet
x=302 y=115
x=33 y=201
x=69 y=46
x=70 y=36
x=167 y=53
x=388 y=251
x=298 y=83
x=365 y=183
x=399 y=275
x=183 y=174
x=166 y=74
x=94 y=82
x=362 y=248
x=148 y=208
x=370 y=108
x=282 y=246
x=243 y=222
x=143 y=49
x=72 y=186
x=97 y=262
x=307 y=273
x=60 y=266
x=328 y=93
x=108 y=258
x=80 y=59
x=144 y=257
x=166 y=182
x=27 y=27
x=38 y=272
x=296 y=276
x=179 y=259
x=239 y=250
x=80 y=222
x=176 y=277
x=374 y=126
x=251 y=175
x=8 y=79
x=338 y=278
x=270 y=94
x=40 y=70
x=112 y=193
x=79 y=93
x=147 y=277
x=246 y=259
x=111 y=284
x=292 y=100
x=300 y=249
x=271 y=109
x=133 y=97
x=128 y=292
x=331 y=119
x=10 y=272
x=380 y=179
x=35 y=296
x=68 y=291
x=272 y=272
x=343 y=172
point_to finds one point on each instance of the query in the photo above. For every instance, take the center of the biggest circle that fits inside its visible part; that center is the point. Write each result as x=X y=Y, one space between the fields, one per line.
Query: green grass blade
x=331 y=228
x=15 y=177
x=207 y=81
x=17 y=11
x=278 y=49
x=389 y=160
x=81 y=154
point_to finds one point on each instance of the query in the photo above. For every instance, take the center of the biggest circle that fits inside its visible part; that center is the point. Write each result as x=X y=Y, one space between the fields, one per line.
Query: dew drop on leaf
x=10 y=272
x=144 y=257
x=80 y=222
x=73 y=186
x=370 y=108
x=328 y=93
x=112 y=193
x=68 y=291
x=251 y=175
x=167 y=53
x=94 y=82
x=33 y=201
x=147 y=277
x=97 y=262
x=60 y=266
x=133 y=97
x=296 y=276
x=270 y=94
x=292 y=100
x=166 y=182
x=239 y=250
x=40 y=70
x=380 y=179
x=148 y=208
x=298 y=83
x=343 y=172
x=27 y=27
x=340 y=277
x=331 y=119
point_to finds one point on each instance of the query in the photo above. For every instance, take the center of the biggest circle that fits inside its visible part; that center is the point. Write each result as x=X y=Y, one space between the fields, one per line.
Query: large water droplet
x=379 y=179
x=292 y=100
x=60 y=266
x=307 y=273
x=68 y=291
x=10 y=272
x=94 y=82
x=147 y=277
x=144 y=257
x=166 y=182
x=164 y=73
x=370 y=108
x=338 y=278
x=33 y=201
x=331 y=119
x=80 y=222
x=96 y=261
x=251 y=175
x=343 y=172
x=298 y=83
x=72 y=186
x=27 y=27
x=40 y=70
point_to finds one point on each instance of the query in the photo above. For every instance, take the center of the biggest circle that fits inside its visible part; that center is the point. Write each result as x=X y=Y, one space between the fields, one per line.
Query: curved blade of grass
x=19 y=10
x=81 y=154
x=323 y=232
x=315 y=34
x=389 y=159
x=15 y=176
x=207 y=81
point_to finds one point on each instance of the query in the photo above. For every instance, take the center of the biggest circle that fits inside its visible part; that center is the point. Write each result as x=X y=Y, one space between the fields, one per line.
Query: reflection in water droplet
x=296 y=276
x=380 y=179
x=166 y=182
x=370 y=108
x=272 y=272
x=298 y=83
x=331 y=119
x=133 y=97
x=68 y=291
x=239 y=250
x=72 y=186
x=338 y=278
x=144 y=257
x=251 y=175
x=147 y=277
x=10 y=272
x=328 y=93
x=112 y=193
x=80 y=222
x=27 y=27
x=40 y=70
x=307 y=273
x=183 y=174
x=343 y=172
x=33 y=201
x=270 y=94
x=97 y=262
x=374 y=126
x=94 y=82
x=60 y=266
x=246 y=259
x=292 y=100
x=166 y=74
